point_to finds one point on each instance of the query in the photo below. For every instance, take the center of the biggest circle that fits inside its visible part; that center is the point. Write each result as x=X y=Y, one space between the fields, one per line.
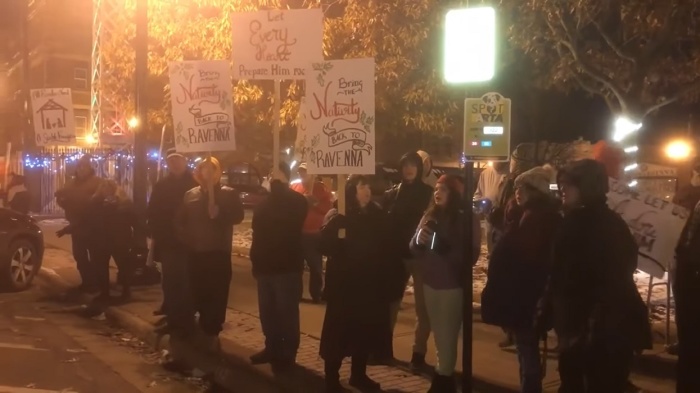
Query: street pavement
x=45 y=347
x=491 y=364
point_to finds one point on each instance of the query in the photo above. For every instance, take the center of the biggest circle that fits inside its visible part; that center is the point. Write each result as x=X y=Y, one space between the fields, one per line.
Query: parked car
x=21 y=250
x=246 y=179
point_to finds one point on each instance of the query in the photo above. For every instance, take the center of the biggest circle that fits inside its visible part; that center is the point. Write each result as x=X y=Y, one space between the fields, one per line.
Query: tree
x=404 y=37
x=638 y=55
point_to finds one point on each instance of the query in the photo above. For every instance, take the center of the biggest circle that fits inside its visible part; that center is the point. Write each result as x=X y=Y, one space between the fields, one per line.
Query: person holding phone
x=438 y=248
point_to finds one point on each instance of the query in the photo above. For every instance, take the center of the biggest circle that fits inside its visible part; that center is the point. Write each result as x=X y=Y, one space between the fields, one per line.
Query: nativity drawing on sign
x=53 y=115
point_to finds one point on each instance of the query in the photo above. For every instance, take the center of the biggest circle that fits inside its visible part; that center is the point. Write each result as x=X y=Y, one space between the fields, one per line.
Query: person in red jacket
x=320 y=202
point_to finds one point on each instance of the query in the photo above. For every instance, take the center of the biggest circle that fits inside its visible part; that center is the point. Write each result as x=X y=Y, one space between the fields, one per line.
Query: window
x=80 y=125
x=80 y=78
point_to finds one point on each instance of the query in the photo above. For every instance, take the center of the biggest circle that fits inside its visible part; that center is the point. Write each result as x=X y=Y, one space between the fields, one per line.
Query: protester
x=113 y=222
x=357 y=313
x=519 y=270
x=686 y=291
x=204 y=224
x=504 y=213
x=18 y=197
x=438 y=247
x=428 y=175
x=74 y=199
x=598 y=315
x=277 y=257
x=166 y=198
x=689 y=195
x=405 y=204
x=319 y=201
x=487 y=189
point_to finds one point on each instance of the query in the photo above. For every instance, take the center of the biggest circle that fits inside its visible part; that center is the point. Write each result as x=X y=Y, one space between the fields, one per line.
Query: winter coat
x=592 y=291
x=444 y=267
x=75 y=198
x=166 y=198
x=317 y=213
x=687 y=197
x=519 y=267
x=357 y=312
x=277 y=227
x=112 y=223
x=197 y=230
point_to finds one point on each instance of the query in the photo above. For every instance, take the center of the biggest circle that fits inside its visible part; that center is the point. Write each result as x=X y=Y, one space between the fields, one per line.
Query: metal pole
x=276 y=119
x=140 y=131
x=27 y=138
x=468 y=296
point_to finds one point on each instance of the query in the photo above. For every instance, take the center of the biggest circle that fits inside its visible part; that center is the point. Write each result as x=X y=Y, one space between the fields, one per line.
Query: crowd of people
x=562 y=263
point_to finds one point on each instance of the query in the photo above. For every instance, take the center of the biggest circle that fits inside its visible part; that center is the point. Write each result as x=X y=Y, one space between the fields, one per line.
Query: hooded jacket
x=277 y=226
x=166 y=198
x=593 y=294
x=75 y=197
x=194 y=226
x=405 y=204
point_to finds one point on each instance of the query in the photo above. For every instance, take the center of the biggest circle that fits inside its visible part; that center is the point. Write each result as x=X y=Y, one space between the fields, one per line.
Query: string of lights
x=125 y=158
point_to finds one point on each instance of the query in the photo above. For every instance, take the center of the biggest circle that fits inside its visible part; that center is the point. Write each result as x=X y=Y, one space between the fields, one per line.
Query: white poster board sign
x=54 y=122
x=302 y=144
x=655 y=223
x=340 y=117
x=276 y=44
x=202 y=104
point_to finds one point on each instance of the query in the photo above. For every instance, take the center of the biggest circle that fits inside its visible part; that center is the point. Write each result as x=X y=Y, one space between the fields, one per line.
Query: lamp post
x=141 y=121
x=469 y=57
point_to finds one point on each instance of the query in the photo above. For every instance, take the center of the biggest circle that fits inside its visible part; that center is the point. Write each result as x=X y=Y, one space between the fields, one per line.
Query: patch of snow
x=243 y=238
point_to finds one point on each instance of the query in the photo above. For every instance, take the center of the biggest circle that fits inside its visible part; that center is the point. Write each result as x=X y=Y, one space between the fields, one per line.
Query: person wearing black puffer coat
x=405 y=204
x=597 y=313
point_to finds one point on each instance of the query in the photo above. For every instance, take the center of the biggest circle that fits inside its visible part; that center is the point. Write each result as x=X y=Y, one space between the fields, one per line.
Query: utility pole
x=141 y=130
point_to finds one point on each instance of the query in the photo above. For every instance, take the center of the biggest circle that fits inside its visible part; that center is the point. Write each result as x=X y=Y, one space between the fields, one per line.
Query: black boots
x=358 y=375
x=417 y=362
x=443 y=384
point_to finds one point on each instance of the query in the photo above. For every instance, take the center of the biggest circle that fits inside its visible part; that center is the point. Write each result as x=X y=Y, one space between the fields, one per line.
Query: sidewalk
x=495 y=370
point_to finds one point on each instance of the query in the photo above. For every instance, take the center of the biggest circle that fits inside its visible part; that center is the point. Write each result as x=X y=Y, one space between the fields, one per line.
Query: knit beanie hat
x=454 y=183
x=538 y=178
x=589 y=176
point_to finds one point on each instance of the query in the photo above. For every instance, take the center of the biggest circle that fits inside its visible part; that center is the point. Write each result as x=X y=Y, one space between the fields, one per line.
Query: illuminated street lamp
x=133 y=122
x=469 y=57
x=678 y=150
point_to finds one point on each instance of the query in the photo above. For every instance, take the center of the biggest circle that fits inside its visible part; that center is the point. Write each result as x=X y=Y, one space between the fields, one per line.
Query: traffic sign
x=487 y=128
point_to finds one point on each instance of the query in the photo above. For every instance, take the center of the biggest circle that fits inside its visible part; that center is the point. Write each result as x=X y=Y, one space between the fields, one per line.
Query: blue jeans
x=311 y=243
x=278 y=303
x=177 y=293
x=527 y=343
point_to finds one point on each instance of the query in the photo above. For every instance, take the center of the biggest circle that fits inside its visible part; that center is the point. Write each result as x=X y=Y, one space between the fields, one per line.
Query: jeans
x=422 y=328
x=81 y=244
x=527 y=344
x=311 y=243
x=177 y=291
x=278 y=303
x=445 y=312
x=122 y=258
x=210 y=273
x=602 y=366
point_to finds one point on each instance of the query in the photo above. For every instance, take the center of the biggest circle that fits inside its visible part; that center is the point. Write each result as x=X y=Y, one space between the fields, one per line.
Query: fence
x=57 y=165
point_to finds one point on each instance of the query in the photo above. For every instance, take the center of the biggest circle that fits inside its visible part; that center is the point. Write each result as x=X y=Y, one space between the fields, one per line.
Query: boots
x=332 y=371
x=358 y=375
x=417 y=362
x=443 y=384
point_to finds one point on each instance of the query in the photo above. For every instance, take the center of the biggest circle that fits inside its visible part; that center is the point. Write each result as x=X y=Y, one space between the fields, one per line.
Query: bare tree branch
x=617 y=49
x=664 y=35
x=691 y=88
x=583 y=65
